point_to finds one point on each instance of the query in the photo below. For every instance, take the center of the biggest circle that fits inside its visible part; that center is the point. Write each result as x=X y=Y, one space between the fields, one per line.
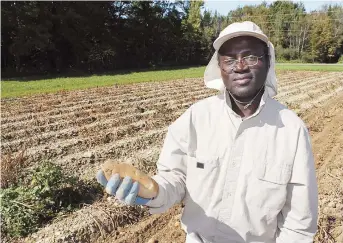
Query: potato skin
x=148 y=188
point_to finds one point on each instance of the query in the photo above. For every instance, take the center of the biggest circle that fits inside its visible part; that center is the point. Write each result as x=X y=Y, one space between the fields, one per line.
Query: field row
x=75 y=99
x=91 y=115
x=51 y=118
x=140 y=145
x=90 y=133
x=104 y=94
x=103 y=105
x=112 y=112
x=75 y=122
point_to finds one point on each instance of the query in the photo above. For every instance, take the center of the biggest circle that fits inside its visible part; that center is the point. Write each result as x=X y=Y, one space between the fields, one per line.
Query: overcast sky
x=224 y=6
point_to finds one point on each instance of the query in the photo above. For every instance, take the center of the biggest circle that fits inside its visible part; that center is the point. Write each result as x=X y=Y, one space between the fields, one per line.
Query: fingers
x=130 y=198
x=124 y=188
x=100 y=177
x=112 y=184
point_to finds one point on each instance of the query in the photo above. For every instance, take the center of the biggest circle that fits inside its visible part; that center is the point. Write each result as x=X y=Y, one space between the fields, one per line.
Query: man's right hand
x=123 y=189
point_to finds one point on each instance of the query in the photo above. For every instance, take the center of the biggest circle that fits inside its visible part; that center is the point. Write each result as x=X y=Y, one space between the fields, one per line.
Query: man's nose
x=241 y=65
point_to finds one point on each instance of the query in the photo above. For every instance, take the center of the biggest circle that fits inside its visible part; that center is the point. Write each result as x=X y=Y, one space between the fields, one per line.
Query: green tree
x=87 y=37
x=323 y=44
x=192 y=33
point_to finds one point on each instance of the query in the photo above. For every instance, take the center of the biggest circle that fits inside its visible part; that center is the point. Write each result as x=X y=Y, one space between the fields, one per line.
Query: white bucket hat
x=212 y=76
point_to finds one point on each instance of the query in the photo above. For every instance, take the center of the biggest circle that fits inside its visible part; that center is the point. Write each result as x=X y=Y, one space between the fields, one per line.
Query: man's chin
x=243 y=94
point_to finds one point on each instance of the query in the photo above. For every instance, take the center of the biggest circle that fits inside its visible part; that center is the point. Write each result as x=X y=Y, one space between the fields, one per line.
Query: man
x=240 y=161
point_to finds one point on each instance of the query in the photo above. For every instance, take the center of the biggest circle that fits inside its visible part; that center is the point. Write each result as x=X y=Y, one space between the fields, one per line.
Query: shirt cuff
x=159 y=200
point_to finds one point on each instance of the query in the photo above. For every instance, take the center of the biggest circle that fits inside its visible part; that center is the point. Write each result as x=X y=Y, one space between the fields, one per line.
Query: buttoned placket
x=234 y=163
x=231 y=177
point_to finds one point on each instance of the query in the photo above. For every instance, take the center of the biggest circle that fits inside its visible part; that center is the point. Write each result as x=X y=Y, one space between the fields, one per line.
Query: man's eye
x=229 y=61
x=250 y=58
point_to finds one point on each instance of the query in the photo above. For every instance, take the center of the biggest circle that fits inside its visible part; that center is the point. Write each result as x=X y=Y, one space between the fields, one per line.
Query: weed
x=10 y=167
x=45 y=193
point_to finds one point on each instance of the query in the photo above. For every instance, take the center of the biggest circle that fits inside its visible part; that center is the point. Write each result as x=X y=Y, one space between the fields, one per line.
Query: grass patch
x=309 y=67
x=17 y=88
x=41 y=196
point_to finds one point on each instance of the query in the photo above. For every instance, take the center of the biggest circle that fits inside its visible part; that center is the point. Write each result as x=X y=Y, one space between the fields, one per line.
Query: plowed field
x=78 y=130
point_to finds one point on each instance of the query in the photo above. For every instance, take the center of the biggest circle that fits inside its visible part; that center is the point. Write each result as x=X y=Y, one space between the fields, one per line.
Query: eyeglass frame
x=236 y=61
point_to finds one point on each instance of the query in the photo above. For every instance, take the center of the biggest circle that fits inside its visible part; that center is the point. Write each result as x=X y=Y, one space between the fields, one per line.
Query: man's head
x=234 y=47
x=244 y=65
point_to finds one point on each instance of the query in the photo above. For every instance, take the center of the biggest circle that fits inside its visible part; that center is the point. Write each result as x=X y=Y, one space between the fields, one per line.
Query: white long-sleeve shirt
x=241 y=180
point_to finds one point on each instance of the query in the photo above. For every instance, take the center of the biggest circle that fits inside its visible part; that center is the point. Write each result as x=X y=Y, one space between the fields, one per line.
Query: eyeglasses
x=249 y=61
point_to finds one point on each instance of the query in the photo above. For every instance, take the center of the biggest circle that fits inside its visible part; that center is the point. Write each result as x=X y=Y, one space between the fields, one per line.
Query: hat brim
x=220 y=40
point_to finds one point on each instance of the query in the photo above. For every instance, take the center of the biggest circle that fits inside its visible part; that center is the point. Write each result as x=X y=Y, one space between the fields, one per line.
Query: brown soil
x=157 y=228
x=78 y=130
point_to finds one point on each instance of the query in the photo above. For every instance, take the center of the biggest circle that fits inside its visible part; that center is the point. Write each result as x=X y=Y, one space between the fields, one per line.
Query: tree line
x=58 y=37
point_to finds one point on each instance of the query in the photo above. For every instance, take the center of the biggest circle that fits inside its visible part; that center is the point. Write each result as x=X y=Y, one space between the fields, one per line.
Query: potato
x=148 y=188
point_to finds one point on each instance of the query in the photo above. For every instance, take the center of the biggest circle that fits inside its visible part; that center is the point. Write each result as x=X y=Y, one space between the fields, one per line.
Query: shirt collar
x=260 y=107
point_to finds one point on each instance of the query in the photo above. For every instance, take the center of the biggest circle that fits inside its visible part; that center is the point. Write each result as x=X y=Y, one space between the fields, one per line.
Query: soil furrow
x=60 y=113
x=301 y=87
x=92 y=118
x=42 y=122
x=301 y=76
x=97 y=94
x=305 y=81
x=78 y=162
x=42 y=108
x=310 y=94
x=61 y=147
x=107 y=127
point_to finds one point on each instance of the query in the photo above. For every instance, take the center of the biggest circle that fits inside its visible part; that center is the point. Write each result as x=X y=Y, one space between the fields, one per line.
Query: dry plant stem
x=108 y=215
x=97 y=223
x=93 y=220
x=327 y=238
x=11 y=165
x=329 y=174
x=22 y=204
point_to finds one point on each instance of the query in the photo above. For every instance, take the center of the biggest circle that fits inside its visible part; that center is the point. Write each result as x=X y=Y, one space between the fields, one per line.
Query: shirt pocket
x=201 y=175
x=276 y=171
x=268 y=187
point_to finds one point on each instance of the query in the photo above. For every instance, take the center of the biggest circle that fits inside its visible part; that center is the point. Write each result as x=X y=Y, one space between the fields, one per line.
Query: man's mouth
x=242 y=80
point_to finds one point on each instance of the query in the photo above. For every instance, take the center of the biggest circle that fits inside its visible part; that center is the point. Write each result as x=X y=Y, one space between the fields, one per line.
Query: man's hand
x=125 y=190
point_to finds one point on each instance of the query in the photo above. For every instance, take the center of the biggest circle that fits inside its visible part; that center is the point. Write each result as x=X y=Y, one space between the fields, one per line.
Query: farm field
x=32 y=86
x=79 y=130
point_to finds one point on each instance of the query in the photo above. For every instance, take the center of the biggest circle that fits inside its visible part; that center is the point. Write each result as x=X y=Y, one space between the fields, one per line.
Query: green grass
x=16 y=88
x=309 y=67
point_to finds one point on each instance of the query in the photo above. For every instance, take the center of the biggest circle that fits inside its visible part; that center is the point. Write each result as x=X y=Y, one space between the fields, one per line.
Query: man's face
x=241 y=80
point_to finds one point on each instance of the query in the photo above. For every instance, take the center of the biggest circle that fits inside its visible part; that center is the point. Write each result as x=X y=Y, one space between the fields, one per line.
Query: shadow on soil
x=83 y=192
